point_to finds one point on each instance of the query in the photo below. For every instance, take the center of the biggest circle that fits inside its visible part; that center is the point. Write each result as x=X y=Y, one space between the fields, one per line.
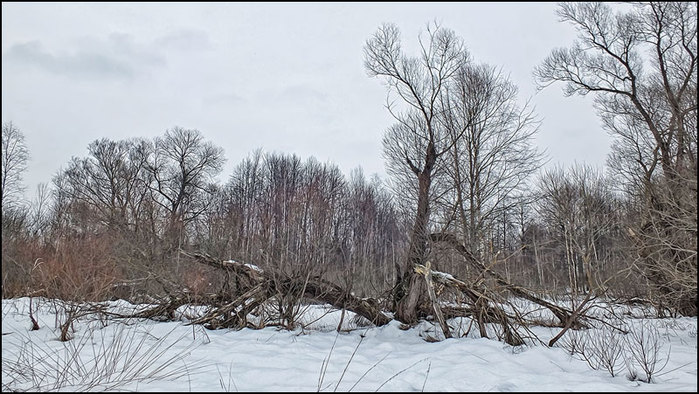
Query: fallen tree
x=247 y=288
x=256 y=286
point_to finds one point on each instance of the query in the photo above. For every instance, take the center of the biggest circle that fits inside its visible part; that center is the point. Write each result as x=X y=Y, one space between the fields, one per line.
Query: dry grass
x=96 y=361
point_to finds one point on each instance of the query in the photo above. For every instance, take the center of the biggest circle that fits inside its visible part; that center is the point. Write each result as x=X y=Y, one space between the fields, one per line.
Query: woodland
x=468 y=221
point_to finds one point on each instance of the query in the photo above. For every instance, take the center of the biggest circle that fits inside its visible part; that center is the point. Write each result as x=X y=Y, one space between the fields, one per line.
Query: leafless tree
x=40 y=211
x=14 y=163
x=109 y=181
x=641 y=64
x=370 y=234
x=181 y=167
x=415 y=143
x=15 y=214
x=578 y=207
x=130 y=195
x=244 y=189
x=492 y=156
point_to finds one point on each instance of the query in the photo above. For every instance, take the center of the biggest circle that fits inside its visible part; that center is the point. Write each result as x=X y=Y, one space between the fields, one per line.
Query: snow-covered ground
x=143 y=355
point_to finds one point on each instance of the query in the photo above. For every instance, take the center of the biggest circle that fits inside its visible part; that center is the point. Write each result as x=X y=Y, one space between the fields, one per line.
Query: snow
x=172 y=356
x=251 y=266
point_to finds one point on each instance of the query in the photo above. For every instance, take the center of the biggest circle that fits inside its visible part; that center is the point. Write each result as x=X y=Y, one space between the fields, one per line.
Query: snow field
x=146 y=355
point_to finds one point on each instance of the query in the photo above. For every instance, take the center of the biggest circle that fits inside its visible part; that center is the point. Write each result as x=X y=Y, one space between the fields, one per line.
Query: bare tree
x=493 y=155
x=16 y=217
x=40 y=210
x=14 y=163
x=110 y=181
x=244 y=188
x=181 y=167
x=641 y=64
x=416 y=142
x=578 y=207
x=608 y=60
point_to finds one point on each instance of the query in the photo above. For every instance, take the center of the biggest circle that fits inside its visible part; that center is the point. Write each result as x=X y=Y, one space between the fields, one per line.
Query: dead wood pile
x=255 y=287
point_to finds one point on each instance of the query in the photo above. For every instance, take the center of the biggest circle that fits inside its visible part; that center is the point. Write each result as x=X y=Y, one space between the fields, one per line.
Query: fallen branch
x=433 y=298
x=482 y=309
x=563 y=314
x=313 y=288
x=573 y=317
x=240 y=307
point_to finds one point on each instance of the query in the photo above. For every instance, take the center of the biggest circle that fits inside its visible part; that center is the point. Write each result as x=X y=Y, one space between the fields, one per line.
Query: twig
x=348 y=362
x=399 y=372
x=368 y=370
x=426 y=375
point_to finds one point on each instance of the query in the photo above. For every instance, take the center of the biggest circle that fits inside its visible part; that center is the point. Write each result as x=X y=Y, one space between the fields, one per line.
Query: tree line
x=462 y=167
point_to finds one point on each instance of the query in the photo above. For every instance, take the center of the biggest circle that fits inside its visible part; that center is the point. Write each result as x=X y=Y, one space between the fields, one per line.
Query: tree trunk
x=411 y=289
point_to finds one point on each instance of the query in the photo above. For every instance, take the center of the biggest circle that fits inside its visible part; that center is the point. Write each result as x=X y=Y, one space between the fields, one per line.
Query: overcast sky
x=286 y=77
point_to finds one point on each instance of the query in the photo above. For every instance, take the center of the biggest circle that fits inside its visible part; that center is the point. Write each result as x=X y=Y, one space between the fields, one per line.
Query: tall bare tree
x=493 y=153
x=14 y=163
x=641 y=64
x=417 y=140
x=181 y=167
x=15 y=216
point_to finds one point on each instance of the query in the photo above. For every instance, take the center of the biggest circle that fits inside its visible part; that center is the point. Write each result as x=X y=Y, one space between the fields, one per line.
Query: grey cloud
x=119 y=56
x=126 y=46
x=185 y=40
x=79 y=64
